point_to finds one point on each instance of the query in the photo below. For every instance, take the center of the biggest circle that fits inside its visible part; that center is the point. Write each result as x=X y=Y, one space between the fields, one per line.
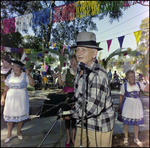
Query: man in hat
x=95 y=102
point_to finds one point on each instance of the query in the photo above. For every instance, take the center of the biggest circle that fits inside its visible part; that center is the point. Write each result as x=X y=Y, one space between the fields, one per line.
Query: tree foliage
x=9 y=8
x=32 y=42
x=144 y=47
x=142 y=50
x=14 y=40
x=64 y=31
x=113 y=9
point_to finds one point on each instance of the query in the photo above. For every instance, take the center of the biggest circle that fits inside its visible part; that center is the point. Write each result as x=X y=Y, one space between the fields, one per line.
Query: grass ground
x=143 y=137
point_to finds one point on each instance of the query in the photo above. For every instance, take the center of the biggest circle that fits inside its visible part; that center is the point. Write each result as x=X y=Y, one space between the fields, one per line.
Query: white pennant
x=23 y=56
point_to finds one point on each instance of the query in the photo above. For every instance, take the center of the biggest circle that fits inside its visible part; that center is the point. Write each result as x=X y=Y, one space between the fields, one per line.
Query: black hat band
x=93 y=43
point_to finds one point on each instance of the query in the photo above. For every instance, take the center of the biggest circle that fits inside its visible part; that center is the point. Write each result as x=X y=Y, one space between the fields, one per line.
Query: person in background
x=46 y=66
x=48 y=72
x=68 y=78
x=130 y=106
x=31 y=69
x=115 y=75
x=99 y=113
x=16 y=107
x=49 y=75
x=5 y=70
x=32 y=73
x=109 y=75
x=68 y=91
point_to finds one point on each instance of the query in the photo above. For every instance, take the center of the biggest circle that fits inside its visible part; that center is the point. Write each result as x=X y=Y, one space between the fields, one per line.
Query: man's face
x=86 y=55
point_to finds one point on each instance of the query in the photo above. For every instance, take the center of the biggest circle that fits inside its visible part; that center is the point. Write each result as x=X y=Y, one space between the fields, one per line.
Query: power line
x=122 y=23
x=120 y=32
x=115 y=37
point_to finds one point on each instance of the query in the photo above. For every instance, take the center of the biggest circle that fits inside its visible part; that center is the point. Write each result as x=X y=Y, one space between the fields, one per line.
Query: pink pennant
x=51 y=45
x=71 y=11
x=2 y=48
x=64 y=13
x=109 y=43
x=20 y=49
x=56 y=16
x=63 y=49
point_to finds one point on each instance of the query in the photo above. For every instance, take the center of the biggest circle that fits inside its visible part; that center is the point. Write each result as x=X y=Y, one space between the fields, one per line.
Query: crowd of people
x=87 y=84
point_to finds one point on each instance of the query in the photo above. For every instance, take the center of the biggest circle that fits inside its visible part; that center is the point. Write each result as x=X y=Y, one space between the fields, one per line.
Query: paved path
x=35 y=129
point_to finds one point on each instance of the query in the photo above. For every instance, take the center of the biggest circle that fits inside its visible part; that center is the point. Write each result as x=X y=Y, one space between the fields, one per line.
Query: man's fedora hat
x=86 y=39
x=17 y=62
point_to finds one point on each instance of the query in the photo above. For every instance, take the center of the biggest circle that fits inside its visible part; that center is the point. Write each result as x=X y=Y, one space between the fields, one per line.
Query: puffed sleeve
x=122 y=91
x=7 y=80
x=142 y=86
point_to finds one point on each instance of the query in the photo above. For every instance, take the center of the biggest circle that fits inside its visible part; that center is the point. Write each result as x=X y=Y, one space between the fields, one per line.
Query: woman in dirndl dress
x=130 y=106
x=16 y=107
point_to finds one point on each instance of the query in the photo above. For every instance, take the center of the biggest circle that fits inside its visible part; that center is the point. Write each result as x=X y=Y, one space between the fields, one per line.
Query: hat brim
x=88 y=46
x=17 y=62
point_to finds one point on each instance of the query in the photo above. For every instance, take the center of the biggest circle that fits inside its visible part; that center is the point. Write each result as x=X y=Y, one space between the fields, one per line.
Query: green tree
x=32 y=42
x=143 y=47
x=9 y=8
x=66 y=32
x=14 y=40
x=112 y=8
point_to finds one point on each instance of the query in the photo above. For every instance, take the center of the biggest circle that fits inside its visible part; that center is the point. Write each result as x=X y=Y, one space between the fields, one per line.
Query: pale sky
x=127 y=25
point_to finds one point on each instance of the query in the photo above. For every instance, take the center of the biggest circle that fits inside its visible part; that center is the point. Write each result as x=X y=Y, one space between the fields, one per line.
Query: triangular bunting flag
x=137 y=35
x=63 y=49
x=54 y=45
x=121 y=40
x=23 y=56
x=109 y=43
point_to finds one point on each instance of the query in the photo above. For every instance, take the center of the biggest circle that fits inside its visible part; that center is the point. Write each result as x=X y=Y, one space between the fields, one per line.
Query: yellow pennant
x=87 y=8
x=27 y=51
x=146 y=66
x=78 y=9
x=137 y=35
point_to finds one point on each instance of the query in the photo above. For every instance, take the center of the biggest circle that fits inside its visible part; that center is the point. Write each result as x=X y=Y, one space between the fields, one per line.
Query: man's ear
x=95 y=51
